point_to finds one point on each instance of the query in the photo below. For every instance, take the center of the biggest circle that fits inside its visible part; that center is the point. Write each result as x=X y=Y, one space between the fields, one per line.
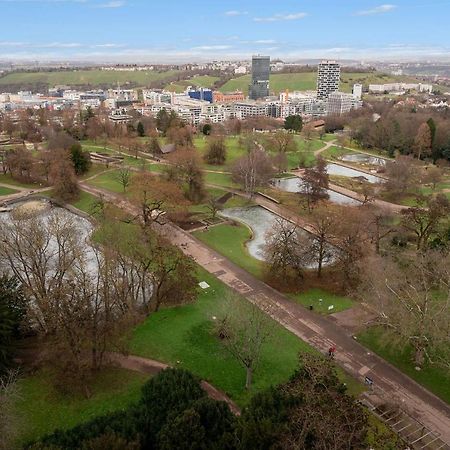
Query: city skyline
x=134 y=30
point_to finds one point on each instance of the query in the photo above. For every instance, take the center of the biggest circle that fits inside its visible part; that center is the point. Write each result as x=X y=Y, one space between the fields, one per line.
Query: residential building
x=328 y=78
x=358 y=91
x=259 y=88
x=340 y=103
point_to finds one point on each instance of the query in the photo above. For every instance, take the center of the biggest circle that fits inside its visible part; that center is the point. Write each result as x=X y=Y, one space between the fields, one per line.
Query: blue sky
x=182 y=30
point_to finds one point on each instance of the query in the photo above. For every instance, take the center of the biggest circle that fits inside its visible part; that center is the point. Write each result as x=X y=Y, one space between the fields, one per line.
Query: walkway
x=150 y=366
x=319 y=331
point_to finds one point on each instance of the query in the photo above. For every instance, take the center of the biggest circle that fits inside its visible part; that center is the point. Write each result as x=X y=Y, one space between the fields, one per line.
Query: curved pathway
x=392 y=385
x=150 y=366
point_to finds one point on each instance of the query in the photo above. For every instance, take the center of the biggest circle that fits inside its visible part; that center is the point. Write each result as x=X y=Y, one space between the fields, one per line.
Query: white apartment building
x=152 y=97
x=241 y=70
x=328 y=79
x=341 y=103
x=123 y=94
x=400 y=87
x=358 y=91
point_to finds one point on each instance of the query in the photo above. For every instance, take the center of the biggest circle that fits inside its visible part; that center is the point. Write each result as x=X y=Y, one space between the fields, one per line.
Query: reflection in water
x=294 y=185
x=261 y=221
x=336 y=169
x=362 y=158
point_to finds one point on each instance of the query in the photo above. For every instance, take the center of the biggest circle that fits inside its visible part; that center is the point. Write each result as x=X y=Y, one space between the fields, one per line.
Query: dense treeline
x=174 y=412
x=398 y=129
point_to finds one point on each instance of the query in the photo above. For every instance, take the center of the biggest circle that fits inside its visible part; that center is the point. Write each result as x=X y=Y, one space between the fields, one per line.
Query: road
x=320 y=332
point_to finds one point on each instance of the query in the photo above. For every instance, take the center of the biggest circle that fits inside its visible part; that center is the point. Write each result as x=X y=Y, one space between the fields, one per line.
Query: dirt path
x=392 y=385
x=150 y=366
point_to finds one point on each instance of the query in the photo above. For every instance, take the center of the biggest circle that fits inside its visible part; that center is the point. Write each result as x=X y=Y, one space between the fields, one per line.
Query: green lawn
x=7 y=179
x=308 y=81
x=436 y=379
x=7 y=191
x=85 y=202
x=82 y=77
x=219 y=179
x=108 y=181
x=42 y=409
x=234 y=151
x=229 y=240
x=204 y=81
x=183 y=337
x=313 y=297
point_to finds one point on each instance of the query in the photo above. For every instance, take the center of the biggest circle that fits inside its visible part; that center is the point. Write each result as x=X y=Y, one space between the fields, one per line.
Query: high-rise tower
x=328 y=78
x=260 y=77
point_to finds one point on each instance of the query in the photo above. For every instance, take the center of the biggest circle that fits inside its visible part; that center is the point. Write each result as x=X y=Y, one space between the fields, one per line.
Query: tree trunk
x=248 y=380
x=419 y=356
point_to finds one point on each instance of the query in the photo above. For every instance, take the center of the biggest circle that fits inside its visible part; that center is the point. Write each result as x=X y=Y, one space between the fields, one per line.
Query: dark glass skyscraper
x=260 y=77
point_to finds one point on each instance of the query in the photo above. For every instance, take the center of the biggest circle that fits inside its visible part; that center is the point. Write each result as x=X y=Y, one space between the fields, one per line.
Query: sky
x=201 y=30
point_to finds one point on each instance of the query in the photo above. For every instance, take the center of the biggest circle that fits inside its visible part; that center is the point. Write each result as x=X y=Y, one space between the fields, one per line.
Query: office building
x=228 y=97
x=201 y=94
x=328 y=78
x=260 y=77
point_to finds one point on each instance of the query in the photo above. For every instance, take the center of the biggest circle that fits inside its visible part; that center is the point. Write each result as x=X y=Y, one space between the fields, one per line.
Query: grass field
x=82 y=77
x=7 y=191
x=229 y=240
x=308 y=81
x=313 y=297
x=108 y=181
x=183 y=337
x=42 y=409
x=436 y=379
x=204 y=81
x=7 y=179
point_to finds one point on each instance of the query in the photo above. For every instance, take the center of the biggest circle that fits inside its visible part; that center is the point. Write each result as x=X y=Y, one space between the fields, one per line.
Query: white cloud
x=377 y=10
x=235 y=13
x=280 y=17
x=212 y=47
x=111 y=4
x=265 y=41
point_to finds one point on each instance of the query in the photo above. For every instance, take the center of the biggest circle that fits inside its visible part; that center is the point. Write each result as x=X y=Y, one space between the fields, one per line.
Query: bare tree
x=314 y=184
x=423 y=141
x=402 y=175
x=79 y=298
x=124 y=178
x=424 y=218
x=284 y=251
x=243 y=329
x=253 y=171
x=412 y=300
x=155 y=196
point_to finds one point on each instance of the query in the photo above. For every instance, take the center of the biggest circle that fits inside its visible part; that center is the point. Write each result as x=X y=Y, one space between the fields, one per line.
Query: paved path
x=150 y=366
x=319 y=331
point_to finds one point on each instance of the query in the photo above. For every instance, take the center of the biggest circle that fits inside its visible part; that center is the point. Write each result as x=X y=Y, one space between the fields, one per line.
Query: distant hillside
x=204 y=81
x=307 y=81
x=93 y=78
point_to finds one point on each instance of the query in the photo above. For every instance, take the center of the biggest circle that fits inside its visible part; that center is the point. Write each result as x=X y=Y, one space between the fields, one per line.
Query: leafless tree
x=243 y=329
x=424 y=218
x=253 y=171
x=124 y=178
x=412 y=299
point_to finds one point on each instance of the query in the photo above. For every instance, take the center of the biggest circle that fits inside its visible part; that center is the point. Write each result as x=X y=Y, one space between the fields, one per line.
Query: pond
x=261 y=221
x=294 y=185
x=362 y=158
x=45 y=212
x=336 y=169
